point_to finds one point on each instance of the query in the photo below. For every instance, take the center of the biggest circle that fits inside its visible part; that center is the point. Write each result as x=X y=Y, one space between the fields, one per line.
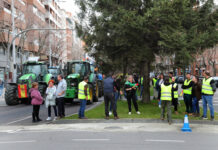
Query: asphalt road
x=80 y=140
x=21 y=114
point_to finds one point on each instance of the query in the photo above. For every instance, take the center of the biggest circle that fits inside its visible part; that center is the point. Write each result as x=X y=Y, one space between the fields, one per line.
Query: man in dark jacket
x=196 y=94
x=109 y=96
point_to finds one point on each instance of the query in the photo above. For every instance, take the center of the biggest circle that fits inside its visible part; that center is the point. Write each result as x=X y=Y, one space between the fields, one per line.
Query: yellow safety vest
x=175 y=93
x=166 y=92
x=170 y=80
x=81 y=90
x=189 y=90
x=141 y=80
x=154 y=82
x=206 y=87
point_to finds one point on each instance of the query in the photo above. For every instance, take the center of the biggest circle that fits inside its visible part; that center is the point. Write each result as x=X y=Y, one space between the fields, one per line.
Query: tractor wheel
x=96 y=92
x=91 y=94
x=11 y=95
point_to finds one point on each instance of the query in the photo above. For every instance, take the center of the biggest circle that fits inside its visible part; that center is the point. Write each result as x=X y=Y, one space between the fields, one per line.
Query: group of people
x=194 y=91
x=54 y=98
x=166 y=90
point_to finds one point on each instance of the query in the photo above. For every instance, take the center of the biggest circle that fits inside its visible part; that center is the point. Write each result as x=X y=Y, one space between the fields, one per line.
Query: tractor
x=75 y=73
x=33 y=71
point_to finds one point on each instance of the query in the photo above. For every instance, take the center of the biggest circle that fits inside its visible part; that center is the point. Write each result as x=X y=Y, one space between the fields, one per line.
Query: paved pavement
x=21 y=114
x=107 y=137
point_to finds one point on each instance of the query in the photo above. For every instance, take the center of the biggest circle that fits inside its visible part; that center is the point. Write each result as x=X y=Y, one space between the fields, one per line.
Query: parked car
x=55 y=71
x=216 y=81
x=180 y=79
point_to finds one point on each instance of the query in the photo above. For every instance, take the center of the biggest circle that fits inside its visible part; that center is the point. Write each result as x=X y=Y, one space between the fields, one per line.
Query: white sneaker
x=48 y=119
x=110 y=113
x=138 y=112
x=55 y=118
x=130 y=113
x=159 y=106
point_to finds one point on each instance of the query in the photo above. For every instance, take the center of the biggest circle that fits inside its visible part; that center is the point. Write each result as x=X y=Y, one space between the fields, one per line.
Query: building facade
x=36 y=14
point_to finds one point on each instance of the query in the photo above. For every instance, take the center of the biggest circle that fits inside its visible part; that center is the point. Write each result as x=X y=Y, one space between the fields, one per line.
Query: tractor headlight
x=73 y=84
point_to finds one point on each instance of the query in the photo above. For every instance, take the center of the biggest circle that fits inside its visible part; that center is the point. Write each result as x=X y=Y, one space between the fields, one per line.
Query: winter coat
x=51 y=96
x=36 y=97
x=196 y=91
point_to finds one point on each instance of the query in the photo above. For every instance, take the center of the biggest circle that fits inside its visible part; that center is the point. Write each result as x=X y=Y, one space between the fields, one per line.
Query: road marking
x=18 y=120
x=15 y=142
x=166 y=141
x=90 y=139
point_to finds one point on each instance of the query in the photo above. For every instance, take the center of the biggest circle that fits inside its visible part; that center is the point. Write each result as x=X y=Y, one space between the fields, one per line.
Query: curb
x=111 y=121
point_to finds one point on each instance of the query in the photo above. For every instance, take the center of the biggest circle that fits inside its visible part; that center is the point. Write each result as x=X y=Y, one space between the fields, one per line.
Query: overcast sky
x=71 y=7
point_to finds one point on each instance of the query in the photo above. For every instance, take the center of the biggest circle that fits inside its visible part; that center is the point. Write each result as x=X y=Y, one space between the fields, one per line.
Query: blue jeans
x=195 y=105
x=116 y=96
x=208 y=100
x=82 y=108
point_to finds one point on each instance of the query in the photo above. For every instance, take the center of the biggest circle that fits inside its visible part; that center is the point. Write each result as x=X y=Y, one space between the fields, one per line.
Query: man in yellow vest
x=141 y=86
x=175 y=95
x=187 y=90
x=83 y=96
x=208 y=90
x=155 y=92
x=171 y=76
x=166 y=99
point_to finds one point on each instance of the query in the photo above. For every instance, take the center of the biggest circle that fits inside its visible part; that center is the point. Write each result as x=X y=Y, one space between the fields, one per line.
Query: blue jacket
x=109 y=85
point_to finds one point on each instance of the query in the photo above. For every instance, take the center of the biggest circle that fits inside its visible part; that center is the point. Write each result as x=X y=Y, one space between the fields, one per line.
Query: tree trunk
x=146 y=83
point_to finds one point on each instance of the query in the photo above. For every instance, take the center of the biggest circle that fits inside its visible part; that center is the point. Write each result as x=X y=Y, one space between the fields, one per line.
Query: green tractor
x=33 y=71
x=75 y=73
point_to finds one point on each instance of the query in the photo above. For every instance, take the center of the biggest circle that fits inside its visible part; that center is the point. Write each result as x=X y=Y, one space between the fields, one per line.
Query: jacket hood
x=166 y=84
x=32 y=89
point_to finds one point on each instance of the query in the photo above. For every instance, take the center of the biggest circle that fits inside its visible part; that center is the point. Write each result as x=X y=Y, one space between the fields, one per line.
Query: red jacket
x=36 y=97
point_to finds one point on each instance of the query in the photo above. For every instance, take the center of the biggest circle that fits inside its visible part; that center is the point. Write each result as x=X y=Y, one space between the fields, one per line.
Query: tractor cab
x=80 y=68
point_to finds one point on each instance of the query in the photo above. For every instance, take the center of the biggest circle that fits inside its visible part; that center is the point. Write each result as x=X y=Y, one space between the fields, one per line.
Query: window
x=2 y=51
x=7 y=6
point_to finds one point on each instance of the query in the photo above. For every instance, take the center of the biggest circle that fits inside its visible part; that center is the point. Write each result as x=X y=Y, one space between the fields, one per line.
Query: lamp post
x=13 y=44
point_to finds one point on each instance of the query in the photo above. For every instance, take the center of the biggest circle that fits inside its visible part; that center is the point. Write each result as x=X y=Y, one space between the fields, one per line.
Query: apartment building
x=36 y=14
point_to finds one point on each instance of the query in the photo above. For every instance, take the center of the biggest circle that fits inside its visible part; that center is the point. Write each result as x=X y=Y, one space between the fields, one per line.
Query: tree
x=133 y=32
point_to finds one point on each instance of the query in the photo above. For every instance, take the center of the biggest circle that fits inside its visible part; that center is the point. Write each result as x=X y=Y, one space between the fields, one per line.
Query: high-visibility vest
x=189 y=90
x=170 y=80
x=206 y=87
x=81 y=91
x=166 y=92
x=154 y=82
x=142 y=80
x=175 y=93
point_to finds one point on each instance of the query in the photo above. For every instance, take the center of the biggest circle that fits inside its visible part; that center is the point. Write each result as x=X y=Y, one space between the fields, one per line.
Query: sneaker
x=212 y=119
x=138 y=112
x=130 y=113
x=110 y=113
x=107 y=118
x=204 y=118
x=159 y=106
x=48 y=119
x=55 y=118
x=115 y=118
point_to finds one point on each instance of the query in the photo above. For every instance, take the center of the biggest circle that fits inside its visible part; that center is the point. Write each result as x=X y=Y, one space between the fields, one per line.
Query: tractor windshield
x=53 y=71
x=36 y=69
x=78 y=68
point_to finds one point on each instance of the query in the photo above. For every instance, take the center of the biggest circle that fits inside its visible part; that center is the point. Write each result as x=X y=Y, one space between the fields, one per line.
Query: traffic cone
x=186 y=127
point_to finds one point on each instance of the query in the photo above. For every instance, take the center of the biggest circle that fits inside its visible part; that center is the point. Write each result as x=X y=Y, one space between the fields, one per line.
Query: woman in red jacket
x=37 y=100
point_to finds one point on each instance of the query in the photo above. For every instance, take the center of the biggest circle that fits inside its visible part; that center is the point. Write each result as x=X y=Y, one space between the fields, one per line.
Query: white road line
x=15 y=142
x=166 y=141
x=18 y=120
x=90 y=139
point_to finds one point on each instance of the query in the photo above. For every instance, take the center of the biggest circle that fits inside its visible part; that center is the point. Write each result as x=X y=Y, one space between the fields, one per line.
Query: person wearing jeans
x=60 y=94
x=109 y=86
x=208 y=90
x=83 y=95
x=196 y=94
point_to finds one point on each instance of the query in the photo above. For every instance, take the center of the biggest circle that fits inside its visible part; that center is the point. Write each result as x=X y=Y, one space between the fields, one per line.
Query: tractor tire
x=91 y=93
x=11 y=95
x=96 y=94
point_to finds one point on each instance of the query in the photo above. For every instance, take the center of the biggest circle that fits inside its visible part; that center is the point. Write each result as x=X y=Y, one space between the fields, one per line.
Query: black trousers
x=109 y=98
x=132 y=98
x=175 y=104
x=35 y=114
x=49 y=110
x=61 y=108
x=188 y=102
